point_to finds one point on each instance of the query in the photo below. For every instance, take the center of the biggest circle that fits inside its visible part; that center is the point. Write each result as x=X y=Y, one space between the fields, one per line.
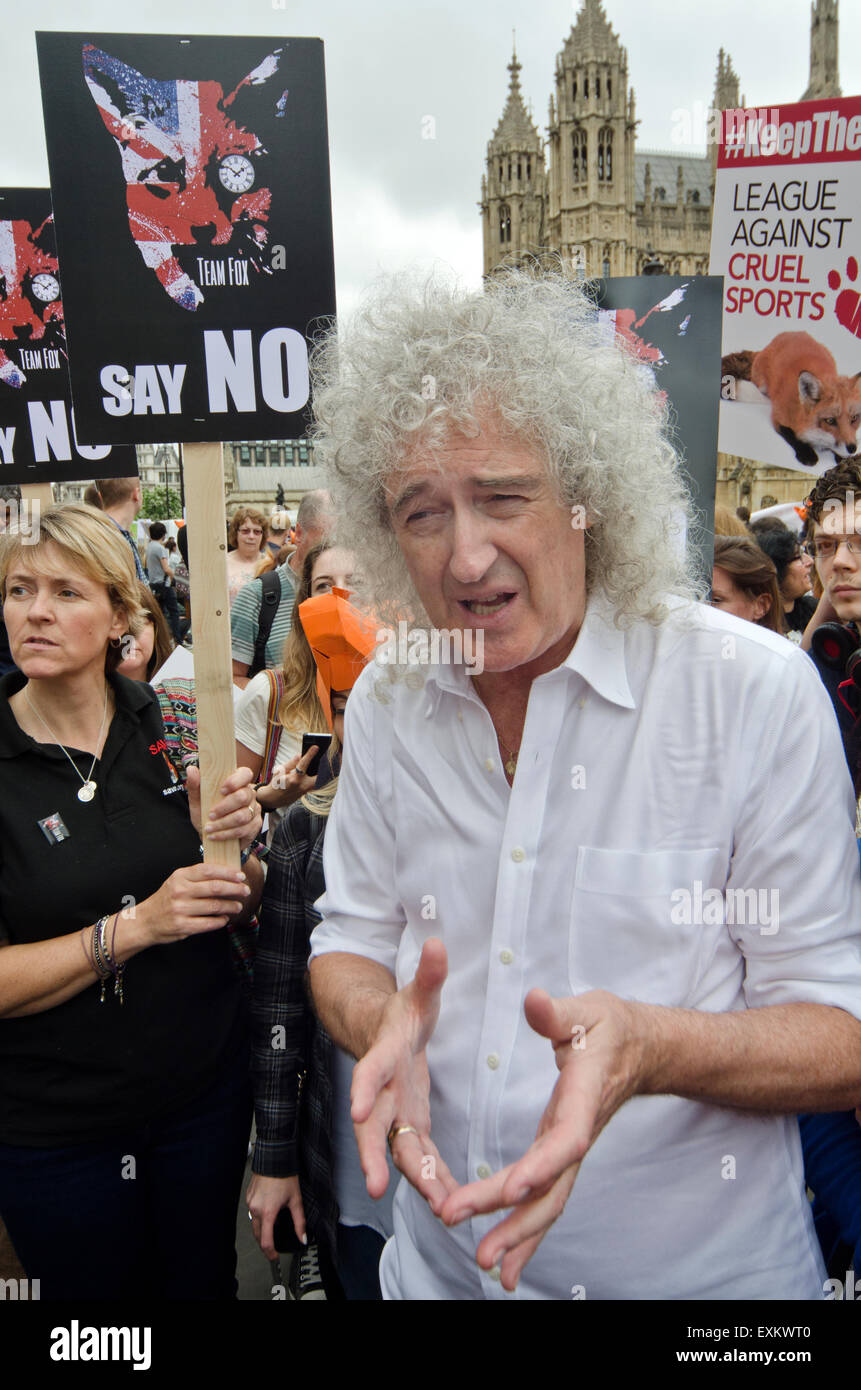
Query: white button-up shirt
x=657 y=763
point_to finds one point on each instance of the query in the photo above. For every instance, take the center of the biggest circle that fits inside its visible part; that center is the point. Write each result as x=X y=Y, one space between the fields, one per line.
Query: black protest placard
x=190 y=180
x=39 y=441
x=672 y=325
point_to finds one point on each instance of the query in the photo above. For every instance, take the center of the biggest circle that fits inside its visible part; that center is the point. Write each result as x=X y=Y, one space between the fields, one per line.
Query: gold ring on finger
x=397 y=1129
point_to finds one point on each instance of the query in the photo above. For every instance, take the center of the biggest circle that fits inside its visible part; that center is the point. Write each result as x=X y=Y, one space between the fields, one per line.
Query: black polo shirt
x=85 y=1070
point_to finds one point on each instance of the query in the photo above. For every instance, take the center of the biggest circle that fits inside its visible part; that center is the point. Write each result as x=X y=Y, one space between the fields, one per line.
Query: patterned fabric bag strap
x=273 y=728
x=179 y=717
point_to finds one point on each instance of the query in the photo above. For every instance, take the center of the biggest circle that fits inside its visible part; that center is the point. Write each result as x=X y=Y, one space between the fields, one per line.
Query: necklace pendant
x=87 y=791
x=511 y=766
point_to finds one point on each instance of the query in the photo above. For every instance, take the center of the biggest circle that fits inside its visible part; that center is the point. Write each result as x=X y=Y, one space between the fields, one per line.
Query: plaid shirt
x=292 y=1054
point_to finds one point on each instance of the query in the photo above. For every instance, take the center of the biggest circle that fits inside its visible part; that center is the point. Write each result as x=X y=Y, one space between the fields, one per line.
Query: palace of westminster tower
x=590 y=196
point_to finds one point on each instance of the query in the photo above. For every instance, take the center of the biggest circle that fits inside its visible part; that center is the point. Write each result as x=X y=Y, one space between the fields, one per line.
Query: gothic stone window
x=578 y=155
x=519 y=171
x=574 y=89
x=585 y=86
x=605 y=154
x=528 y=169
x=605 y=266
x=244 y=454
x=505 y=223
x=609 y=88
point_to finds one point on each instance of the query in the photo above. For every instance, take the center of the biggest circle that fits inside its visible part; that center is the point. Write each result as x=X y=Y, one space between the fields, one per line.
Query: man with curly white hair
x=570 y=926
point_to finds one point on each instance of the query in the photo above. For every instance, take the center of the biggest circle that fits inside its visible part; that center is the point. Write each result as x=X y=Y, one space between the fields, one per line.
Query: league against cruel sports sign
x=785 y=236
x=190 y=180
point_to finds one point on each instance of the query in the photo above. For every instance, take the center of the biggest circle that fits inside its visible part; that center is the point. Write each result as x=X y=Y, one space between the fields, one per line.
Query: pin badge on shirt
x=54 y=829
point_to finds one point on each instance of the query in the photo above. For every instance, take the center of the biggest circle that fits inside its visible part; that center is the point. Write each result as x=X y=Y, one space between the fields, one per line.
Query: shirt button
x=582 y=701
x=488 y=763
x=493 y=1061
x=506 y=956
x=495 y=1273
x=460 y=715
x=483 y=1170
x=518 y=855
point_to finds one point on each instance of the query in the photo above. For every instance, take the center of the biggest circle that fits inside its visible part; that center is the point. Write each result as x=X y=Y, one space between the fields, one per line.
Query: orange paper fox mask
x=341 y=640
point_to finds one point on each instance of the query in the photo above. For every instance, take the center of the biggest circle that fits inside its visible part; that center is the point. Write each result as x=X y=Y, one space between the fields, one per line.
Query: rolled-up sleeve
x=796 y=850
x=360 y=910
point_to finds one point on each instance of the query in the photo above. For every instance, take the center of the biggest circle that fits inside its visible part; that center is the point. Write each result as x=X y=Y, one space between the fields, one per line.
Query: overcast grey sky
x=403 y=200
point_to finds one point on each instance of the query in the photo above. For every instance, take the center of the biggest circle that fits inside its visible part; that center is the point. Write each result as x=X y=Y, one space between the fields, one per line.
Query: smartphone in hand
x=308 y=741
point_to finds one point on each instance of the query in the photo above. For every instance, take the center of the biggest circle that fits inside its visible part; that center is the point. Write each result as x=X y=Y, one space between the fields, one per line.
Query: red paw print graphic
x=848 y=306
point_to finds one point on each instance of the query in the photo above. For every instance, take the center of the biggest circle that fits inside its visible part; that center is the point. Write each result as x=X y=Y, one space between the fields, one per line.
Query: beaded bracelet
x=103 y=959
x=116 y=970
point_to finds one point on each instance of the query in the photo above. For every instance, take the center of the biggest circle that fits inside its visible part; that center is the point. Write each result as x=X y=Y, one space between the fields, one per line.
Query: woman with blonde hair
x=278 y=706
x=123 y=1048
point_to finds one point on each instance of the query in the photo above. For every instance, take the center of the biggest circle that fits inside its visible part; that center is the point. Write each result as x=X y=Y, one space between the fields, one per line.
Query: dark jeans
x=150 y=1215
x=832 y=1168
x=359 y=1251
x=166 y=595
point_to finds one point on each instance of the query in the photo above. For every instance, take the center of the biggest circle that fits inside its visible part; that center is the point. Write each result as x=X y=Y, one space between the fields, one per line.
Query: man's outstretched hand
x=391 y=1086
x=599 y=1056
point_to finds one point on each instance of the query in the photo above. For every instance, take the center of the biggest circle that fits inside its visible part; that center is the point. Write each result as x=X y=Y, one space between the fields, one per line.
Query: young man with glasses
x=832 y=1142
x=834 y=546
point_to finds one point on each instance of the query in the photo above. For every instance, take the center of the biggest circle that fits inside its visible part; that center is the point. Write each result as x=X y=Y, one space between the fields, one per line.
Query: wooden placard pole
x=213 y=680
x=38 y=492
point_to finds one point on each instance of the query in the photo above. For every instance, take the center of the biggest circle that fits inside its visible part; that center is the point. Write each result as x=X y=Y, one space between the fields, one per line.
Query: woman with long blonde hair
x=278 y=706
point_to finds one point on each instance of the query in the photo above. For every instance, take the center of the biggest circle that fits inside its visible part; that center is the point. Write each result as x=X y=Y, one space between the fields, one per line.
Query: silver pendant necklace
x=87 y=790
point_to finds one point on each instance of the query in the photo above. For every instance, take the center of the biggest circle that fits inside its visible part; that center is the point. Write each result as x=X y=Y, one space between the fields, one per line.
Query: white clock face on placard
x=236 y=173
x=46 y=287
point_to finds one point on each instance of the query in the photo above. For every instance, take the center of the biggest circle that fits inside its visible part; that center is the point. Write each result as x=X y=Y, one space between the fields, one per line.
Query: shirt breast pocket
x=633 y=929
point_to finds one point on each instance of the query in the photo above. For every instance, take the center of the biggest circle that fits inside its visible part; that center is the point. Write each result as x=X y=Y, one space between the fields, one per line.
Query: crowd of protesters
x=157 y=1013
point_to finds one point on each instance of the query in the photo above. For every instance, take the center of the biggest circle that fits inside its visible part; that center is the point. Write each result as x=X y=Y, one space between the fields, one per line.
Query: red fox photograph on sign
x=786 y=237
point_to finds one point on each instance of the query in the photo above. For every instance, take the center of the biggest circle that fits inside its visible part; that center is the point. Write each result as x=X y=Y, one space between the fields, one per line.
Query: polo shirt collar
x=131 y=697
x=598 y=655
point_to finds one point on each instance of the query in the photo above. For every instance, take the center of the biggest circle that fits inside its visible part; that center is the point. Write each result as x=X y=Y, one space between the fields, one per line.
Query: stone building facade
x=589 y=196
x=253 y=472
